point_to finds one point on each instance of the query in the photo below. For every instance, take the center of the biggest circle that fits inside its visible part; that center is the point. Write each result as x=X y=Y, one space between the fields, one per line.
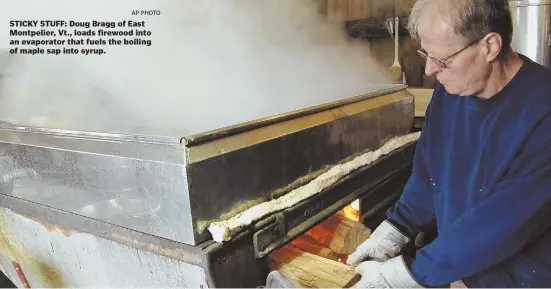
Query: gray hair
x=470 y=19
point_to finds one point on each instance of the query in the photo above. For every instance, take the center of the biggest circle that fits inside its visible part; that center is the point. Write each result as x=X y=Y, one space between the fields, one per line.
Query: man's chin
x=454 y=90
x=450 y=89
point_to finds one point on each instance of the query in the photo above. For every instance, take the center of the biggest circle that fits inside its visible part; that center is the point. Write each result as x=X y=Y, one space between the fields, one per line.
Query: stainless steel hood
x=174 y=187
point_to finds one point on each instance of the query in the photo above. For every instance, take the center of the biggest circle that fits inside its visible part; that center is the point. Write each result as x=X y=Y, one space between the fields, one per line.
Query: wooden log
x=312 y=246
x=340 y=234
x=309 y=270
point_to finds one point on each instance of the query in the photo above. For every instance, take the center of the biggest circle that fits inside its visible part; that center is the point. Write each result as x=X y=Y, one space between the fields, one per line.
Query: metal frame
x=247 y=126
x=381 y=180
x=224 y=263
x=158 y=186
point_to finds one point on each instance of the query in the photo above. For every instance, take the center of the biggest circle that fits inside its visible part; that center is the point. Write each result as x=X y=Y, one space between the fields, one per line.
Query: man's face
x=466 y=73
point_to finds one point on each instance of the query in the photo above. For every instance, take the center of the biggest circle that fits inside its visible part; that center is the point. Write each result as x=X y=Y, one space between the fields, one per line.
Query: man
x=482 y=167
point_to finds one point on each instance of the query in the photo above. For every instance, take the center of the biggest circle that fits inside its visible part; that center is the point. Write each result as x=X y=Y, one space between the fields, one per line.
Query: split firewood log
x=340 y=234
x=309 y=270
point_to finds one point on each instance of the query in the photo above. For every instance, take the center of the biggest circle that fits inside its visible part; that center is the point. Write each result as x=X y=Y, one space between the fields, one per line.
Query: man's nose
x=431 y=67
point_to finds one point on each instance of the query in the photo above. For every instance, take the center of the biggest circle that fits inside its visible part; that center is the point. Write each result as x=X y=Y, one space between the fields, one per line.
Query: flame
x=356 y=205
x=352 y=211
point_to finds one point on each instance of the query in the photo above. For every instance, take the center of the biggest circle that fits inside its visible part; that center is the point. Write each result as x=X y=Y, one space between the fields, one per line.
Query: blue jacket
x=482 y=175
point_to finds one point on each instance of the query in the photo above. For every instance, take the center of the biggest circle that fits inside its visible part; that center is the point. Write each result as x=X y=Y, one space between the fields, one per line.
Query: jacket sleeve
x=515 y=213
x=414 y=211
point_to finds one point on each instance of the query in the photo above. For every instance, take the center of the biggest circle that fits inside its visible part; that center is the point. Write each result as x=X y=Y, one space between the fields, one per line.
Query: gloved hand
x=389 y=274
x=385 y=243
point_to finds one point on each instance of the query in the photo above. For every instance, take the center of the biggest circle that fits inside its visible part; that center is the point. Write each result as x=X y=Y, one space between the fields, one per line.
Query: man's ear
x=493 y=44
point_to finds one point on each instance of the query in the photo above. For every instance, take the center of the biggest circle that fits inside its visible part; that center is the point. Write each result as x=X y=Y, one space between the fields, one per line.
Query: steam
x=212 y=64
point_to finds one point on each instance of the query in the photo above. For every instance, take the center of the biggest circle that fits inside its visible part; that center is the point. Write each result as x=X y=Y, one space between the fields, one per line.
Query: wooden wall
x=383 y=48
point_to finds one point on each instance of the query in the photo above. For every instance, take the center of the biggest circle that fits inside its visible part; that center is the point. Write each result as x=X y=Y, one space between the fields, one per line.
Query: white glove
x=389 y=274
x=385 y=243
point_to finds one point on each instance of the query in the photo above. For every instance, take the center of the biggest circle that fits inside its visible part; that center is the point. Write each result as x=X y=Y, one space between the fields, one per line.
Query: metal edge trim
x=92 y=135
x=157 y=245
x=525 y=3
x=200 y=138
x=296 y=126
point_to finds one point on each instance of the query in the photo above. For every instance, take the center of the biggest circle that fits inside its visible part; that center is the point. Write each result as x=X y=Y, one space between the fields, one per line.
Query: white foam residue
x=224 y=230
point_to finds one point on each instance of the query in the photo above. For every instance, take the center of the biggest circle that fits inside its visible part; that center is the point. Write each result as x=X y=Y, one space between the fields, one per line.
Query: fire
x=355 y=205
x=336 y=237
x=352 y=211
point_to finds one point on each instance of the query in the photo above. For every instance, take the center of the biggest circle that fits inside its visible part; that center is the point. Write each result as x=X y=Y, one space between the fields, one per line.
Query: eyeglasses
x=442 y=61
